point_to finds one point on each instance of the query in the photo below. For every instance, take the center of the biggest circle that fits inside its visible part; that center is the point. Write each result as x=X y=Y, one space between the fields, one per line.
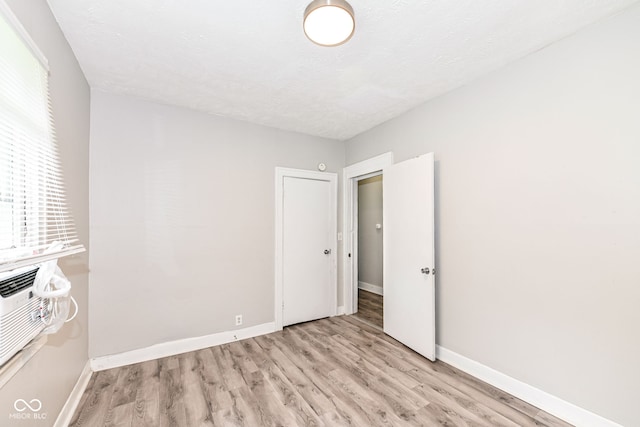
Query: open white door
x=409 y=261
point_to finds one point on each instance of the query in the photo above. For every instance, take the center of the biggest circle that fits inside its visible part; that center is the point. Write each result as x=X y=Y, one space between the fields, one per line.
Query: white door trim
x=281 y=173
x=351 y=175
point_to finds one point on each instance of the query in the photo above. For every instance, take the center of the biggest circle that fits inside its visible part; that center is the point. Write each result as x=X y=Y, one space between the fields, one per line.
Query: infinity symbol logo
x=21 y=405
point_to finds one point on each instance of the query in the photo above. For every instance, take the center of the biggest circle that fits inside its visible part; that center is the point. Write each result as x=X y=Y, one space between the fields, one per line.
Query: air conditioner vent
x=17 y=283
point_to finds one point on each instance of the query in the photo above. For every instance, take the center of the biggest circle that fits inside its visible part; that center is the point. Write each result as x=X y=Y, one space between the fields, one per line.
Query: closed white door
x=308 y=249
x=409 y=282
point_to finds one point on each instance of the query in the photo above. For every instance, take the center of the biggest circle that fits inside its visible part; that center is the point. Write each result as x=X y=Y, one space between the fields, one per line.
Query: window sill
x=9 y=369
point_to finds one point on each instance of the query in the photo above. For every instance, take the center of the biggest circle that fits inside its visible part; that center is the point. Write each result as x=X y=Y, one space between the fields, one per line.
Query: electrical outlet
x=239 y=320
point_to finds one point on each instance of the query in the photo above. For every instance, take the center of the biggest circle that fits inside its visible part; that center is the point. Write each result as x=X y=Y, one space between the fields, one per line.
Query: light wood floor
x=370 y=307
x=332 y=372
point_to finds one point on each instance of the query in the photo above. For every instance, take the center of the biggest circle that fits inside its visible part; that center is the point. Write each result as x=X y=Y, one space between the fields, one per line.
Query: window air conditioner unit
x=19 y=311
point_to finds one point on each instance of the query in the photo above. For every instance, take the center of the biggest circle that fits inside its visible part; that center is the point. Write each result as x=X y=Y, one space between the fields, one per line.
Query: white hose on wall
x=53 y=287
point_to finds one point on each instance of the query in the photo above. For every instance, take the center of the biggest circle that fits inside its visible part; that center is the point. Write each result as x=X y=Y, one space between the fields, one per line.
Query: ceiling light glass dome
x=329 y=22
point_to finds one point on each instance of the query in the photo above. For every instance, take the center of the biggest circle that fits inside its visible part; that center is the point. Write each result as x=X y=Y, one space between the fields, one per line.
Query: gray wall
x=370 y=239
x=52 y=373
x=182 y=220
x=538 y=215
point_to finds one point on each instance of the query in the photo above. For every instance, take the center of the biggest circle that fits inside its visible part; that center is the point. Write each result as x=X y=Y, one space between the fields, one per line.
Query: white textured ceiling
x=250 y=60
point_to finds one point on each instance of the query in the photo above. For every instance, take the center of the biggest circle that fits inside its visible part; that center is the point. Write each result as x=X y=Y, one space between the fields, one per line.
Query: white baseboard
x=554 y=405
x=340 y=310
x=69 y=408
x=177 y=347
x=370 y=288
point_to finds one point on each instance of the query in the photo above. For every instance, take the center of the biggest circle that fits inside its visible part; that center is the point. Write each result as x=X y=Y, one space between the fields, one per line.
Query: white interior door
x=409 y=282
x=308 y=249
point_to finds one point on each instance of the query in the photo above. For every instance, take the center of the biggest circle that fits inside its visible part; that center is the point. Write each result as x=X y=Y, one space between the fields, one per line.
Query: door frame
x=351 y=175
x=332 y=178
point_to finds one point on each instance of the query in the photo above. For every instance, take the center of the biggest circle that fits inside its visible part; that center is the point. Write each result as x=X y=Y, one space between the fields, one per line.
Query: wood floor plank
x=121 y=415
x=338 y=401
x=370 y=308
x=290 y=398
x=405 y=360
x=240 y=413
x=436 y=415
x=269 y=411
x=231 y=378
x=439 y=396
x=171 y=401
x=129 y=381
x=87 y=392
x=349 y=377
x=332 y=372
x=284 y=390
x=304 y=384
x=241 y=359
x=123 y=401
x=96 y=406
x=405 y=380
x=212 y=383
x=266 y=385
x=333 y=419
x=396 y=396
x=147 y=409
x=341 y=401
x=379 y=413
x=118 y=395
x=197 y=411
x=448 y=370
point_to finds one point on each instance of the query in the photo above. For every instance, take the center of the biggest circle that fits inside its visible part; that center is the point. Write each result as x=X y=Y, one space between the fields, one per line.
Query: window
x=6 y=205
x=33 y=209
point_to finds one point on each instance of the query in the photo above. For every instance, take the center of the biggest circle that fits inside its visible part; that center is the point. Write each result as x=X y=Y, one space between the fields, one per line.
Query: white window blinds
x=33 y=209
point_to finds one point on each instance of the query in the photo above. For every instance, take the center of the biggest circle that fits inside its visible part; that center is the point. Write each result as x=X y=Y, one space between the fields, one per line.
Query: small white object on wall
x=322 y=167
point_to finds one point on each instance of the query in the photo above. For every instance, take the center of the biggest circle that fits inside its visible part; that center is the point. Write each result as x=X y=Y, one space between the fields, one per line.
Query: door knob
x=327 y=251
x=424 y=270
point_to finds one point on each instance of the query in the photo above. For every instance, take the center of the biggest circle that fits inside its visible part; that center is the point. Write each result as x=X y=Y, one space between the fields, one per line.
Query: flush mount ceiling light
x=329 y=22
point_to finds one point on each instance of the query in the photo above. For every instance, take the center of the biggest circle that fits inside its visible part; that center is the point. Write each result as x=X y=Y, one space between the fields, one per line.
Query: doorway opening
x=370 y=244
x=408 y=247
x=354 y=175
